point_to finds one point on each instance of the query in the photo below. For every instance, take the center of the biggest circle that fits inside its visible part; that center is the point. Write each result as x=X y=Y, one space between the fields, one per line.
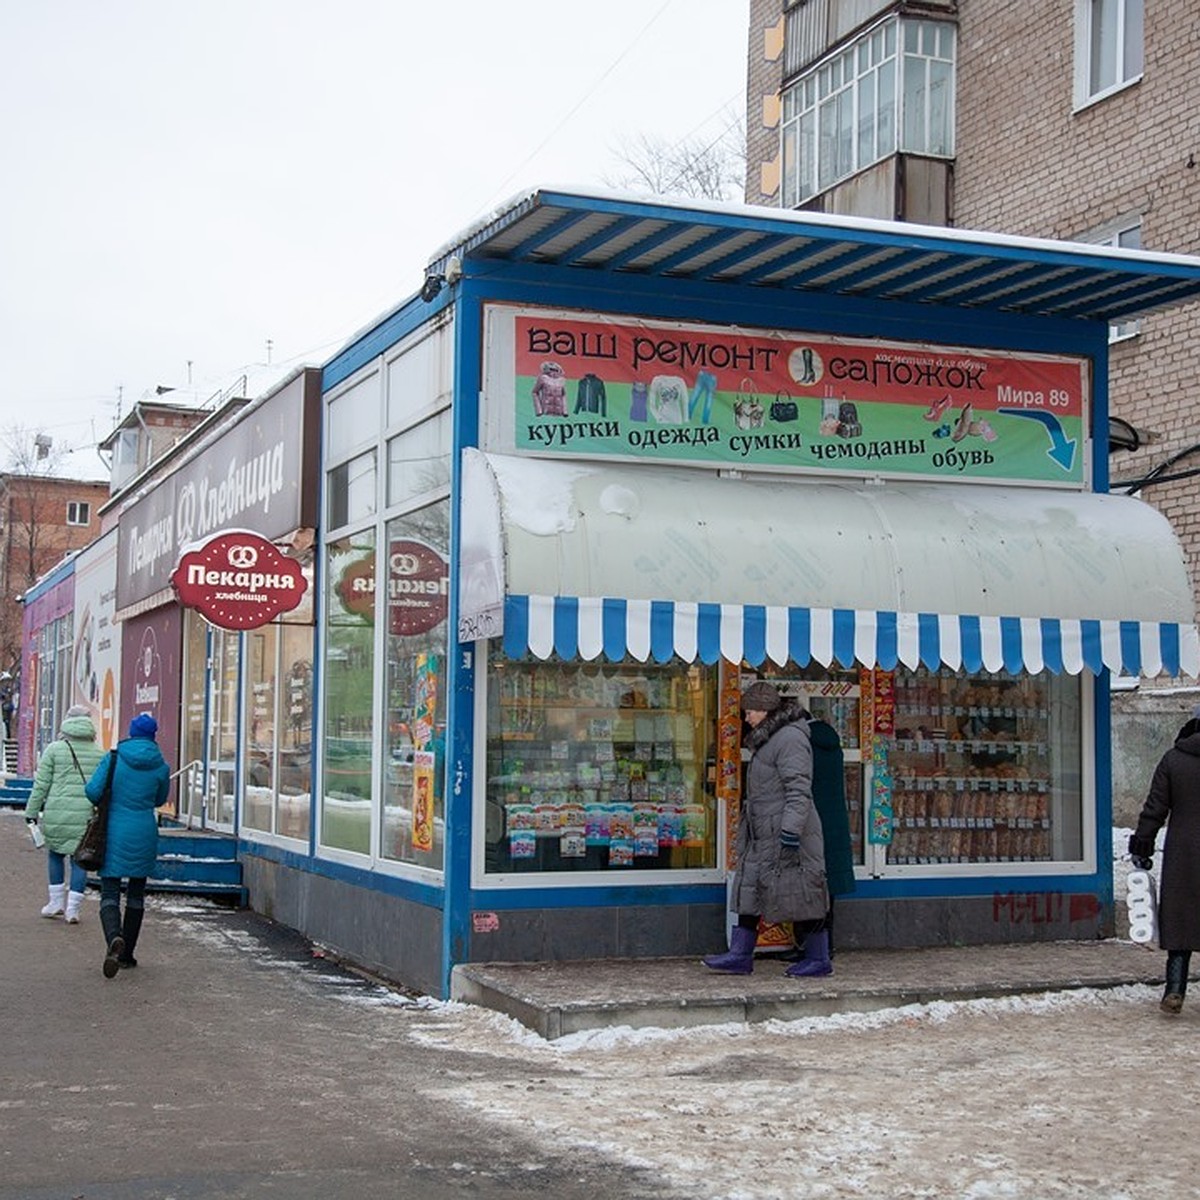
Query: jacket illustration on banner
x=668 y=399
x=590 y=397
x=550 y=392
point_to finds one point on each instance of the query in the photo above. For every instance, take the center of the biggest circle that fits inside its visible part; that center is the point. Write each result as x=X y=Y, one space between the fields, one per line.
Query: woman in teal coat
x=58 y=795
x=141 y=783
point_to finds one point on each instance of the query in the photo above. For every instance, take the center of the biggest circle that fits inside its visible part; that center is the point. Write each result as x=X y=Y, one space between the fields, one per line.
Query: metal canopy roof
x=816 y=252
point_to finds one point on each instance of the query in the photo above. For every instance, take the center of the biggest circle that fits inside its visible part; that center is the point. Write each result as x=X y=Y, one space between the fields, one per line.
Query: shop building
x=620 y=456
x=229 y=719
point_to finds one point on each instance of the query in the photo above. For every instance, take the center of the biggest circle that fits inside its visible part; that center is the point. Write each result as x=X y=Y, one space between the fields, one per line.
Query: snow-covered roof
x=773 y=248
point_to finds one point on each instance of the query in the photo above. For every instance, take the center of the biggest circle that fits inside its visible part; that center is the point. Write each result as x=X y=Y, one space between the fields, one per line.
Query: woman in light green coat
x=58 y=795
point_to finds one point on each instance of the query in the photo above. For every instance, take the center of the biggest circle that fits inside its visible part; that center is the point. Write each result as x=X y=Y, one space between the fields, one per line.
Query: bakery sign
x=238 y=580
x=418 y=587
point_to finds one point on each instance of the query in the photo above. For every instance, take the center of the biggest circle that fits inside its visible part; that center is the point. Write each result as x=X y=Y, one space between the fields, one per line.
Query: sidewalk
x=559 y=998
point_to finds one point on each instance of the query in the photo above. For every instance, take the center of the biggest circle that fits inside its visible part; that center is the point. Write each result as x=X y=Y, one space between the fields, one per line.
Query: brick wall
x=764 y=76
x=1027 y=164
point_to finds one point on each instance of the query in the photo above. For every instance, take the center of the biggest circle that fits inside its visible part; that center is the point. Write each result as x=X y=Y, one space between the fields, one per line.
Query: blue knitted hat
x=143 y=726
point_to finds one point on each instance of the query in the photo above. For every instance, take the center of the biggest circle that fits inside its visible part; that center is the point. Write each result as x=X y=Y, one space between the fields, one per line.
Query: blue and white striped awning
x=590 y=560
x=574 y=627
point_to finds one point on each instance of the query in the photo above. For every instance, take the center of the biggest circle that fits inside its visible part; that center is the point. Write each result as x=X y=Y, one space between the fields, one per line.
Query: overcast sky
x=183 y=182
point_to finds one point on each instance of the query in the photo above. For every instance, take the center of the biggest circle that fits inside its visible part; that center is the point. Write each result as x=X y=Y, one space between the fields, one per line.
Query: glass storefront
x=277 y=765
x=600 y=766
x=349 y=692
x=986 y=769
x=413 y=811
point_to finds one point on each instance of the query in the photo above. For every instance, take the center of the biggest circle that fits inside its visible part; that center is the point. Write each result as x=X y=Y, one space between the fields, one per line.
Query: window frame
x=1085 y=16
x=819 y=152
x=77 y=509
x=1112 y=235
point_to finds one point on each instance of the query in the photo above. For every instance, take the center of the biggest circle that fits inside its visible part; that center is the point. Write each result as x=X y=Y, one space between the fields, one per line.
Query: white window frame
x=1128 y=16
x=846 y=83
x=79 y=512
x=1117 y=234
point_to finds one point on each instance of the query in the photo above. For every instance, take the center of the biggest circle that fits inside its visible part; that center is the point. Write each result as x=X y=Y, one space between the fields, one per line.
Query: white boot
x=74 y=903
x=55 y=907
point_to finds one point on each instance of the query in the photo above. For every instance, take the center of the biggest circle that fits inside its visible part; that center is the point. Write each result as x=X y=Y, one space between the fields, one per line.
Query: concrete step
x=14 y=791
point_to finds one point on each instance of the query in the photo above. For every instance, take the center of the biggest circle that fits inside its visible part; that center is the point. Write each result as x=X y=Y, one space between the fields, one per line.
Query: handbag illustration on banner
x=784 y=408
x=747 y=409
x=89 y=854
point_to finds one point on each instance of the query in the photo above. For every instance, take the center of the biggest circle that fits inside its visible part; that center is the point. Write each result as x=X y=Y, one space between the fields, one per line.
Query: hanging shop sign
x=238 y=580
x=784 y=400
x=418 y=587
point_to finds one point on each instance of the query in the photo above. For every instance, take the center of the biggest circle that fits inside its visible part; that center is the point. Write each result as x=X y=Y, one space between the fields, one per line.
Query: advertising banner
x=621 y=386
x=259 y=474
x=96 y=670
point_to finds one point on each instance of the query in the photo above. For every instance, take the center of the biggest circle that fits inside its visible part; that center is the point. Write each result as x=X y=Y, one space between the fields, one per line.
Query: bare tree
x=695 y=168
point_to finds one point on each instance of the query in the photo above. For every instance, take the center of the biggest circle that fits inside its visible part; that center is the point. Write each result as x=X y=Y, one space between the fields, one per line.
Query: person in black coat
x=814 y=952
x=1174 y=800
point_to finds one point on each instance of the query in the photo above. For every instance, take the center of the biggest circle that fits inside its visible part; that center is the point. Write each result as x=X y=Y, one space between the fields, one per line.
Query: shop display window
x=600 y=767
x=277 y=766
x=349 y=692
x=414 y=759
x=984 y=769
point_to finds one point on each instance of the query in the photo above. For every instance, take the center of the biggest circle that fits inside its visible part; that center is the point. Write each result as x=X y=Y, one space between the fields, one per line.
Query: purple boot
x=739 y=958
x=816 y=957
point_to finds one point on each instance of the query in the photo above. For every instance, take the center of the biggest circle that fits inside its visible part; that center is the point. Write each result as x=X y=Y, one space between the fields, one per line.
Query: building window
x=349 y=675
x=79 y=512
x=1126 y=236
x=892 y=89
x=412 y=828
x=1108 y=47
x=600 y=769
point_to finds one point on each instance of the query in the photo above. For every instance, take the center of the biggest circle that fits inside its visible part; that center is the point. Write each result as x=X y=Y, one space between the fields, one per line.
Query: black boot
x=110 y=922
x=129 y=933
x=1177 y=980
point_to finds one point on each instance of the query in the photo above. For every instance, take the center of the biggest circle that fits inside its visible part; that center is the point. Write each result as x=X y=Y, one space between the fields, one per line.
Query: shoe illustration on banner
x=963 y=424
x=937 y=408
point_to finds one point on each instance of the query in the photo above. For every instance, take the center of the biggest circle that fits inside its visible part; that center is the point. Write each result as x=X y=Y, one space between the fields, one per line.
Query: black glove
x=31 y=820
x=1141 y=852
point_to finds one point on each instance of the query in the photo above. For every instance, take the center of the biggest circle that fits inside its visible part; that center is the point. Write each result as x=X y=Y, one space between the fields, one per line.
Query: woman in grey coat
x=780 y=852
x=1174 y=799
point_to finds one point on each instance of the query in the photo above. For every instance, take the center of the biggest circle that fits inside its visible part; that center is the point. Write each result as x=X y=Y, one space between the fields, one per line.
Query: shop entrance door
x=221 y=748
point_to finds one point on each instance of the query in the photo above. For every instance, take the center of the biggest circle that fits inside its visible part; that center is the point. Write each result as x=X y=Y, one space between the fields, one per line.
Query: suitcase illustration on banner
x=848 y=424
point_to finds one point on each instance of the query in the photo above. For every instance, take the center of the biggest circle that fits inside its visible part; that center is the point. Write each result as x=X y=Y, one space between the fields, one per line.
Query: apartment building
x=1065 y=119
x=42 y=518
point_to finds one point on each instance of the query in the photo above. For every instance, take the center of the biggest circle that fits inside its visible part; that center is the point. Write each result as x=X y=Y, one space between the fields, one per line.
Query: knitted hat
x=143 y=726
x=761 y=697
x=78 y=710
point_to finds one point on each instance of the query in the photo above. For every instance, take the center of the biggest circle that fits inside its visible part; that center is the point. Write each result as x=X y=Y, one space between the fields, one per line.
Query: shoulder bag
x=89 y=854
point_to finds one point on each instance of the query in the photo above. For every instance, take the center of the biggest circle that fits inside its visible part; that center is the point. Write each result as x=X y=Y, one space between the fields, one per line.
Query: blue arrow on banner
x=1062 y=448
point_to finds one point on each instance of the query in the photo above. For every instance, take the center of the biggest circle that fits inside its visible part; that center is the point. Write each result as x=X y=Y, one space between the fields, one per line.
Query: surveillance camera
x=431 y=287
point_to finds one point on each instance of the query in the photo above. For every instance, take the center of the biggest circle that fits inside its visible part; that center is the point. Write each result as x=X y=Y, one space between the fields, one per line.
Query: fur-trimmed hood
x=787 y=713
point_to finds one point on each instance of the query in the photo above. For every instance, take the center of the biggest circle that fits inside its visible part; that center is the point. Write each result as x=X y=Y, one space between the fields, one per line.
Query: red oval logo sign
x=238 y=580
